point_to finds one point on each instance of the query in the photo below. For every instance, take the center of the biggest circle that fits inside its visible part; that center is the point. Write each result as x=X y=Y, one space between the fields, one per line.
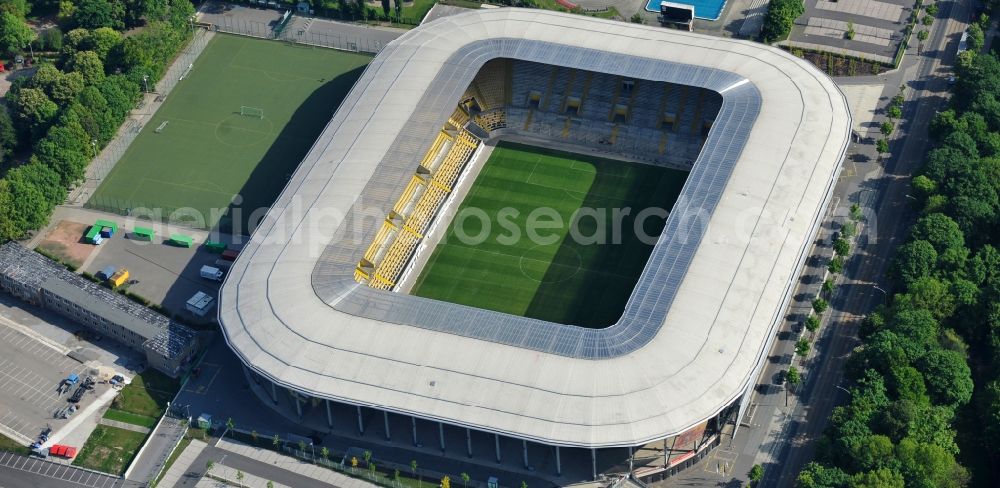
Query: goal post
x=252 y=111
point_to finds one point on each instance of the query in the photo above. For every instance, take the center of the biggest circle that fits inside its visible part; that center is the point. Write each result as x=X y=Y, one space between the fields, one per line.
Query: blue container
x=107 y=232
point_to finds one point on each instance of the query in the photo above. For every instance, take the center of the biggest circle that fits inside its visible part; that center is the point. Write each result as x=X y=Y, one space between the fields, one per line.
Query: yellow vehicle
x=119 y=278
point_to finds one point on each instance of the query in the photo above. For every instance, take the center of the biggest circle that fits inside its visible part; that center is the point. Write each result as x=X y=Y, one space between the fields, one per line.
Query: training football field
x=207 y=152
x=555 y=274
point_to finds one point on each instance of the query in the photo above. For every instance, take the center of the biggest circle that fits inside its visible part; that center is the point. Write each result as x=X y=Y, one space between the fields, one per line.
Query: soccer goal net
x=252 y=112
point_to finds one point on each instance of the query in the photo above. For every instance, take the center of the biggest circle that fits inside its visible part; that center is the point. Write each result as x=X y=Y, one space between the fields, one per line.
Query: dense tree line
x=925 y=392
x=61 y=117
x=779 y=18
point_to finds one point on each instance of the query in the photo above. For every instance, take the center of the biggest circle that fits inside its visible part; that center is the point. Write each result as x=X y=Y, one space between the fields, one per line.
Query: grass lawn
x=146 y=396
x=8 y=444
x=207 y=153
x=555 y=276
x=109 y=449
x=130 y=418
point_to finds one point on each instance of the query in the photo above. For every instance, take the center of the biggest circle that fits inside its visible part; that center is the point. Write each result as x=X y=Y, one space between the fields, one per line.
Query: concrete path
x=125 y=426
x=183 y=464
x=291 y=464
x=231 y=476
x=154 y=453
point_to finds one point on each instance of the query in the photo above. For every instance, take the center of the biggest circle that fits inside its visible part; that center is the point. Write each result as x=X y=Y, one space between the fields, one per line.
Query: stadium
x=355 y=306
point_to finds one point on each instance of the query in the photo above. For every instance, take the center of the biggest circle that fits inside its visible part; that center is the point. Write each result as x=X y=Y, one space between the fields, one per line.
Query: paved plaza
x=878 y=27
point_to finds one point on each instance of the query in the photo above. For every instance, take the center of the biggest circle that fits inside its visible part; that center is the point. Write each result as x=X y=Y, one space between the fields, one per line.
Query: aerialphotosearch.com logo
x=319 y=226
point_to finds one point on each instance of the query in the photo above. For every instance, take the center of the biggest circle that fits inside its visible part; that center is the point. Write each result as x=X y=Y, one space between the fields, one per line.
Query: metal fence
x=291 y=32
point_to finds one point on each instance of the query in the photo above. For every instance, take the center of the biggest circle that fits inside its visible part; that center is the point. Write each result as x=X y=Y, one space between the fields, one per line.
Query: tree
x=209 y=465
x=880 y=478
x=413 y=469
x=927 y=20
x=446 y=482
x=19 y=8
x=395 y=477
x=230 y=425
x=92 y=14
x=828 y=286
x=802 y=347
x=270 y=484
x=976 y=38
x=33 y=111
x=940 y=230
x=848 y=229
x=779 y=18
x=792 y=376
x=812 y=323
x=67 y=150
x=922 y=35
x=914 y=260
x=524 y=484
x=368 y=456
x=815 y=475
x=465 y=476
x=35 y=190
x=88 y=64
x=253 y=436
x=850 y=31
x=276 y=441
x=929 y=465
x=386 y=8
x=239 y=477
x=50 y=40
x=836 y=265
x=636 y=18
x=354 y=463
x=886 y=128
x=841 y=246
x=820 y=305
x=324 y=452
x=756 y=474
x=856 y=213
x=882 y=147
x=371 y=470
x=948 y=378
x=15 y=35
x=894 y=112
x=302 y=446
x=399 y=9
x=8 y=136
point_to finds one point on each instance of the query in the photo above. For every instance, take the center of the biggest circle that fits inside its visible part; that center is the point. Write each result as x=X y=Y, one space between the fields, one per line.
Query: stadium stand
x=648 y=121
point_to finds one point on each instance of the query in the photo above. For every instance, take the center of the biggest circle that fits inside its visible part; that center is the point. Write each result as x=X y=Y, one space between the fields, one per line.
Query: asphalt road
x=247 y=465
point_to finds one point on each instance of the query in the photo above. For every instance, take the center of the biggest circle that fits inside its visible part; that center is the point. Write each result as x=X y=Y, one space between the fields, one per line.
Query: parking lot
x=61 y=472
x=158 y=272
x=30 y=372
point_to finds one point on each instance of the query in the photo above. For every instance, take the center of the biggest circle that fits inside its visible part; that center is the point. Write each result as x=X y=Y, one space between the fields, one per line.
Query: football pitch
x=205 y=152
x=581 y=277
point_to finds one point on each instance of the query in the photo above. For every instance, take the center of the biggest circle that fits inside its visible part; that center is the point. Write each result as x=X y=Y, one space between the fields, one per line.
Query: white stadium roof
x=698 y=324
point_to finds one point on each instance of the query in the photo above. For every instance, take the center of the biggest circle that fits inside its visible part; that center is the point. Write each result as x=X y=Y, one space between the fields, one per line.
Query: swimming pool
x=703 y=9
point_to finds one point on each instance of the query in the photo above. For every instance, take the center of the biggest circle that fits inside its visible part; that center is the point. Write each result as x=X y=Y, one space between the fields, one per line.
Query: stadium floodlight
x=252 y=111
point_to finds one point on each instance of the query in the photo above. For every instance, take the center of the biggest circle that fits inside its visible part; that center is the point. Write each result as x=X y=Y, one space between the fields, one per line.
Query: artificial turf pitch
x=565 y=279
x=208 y=153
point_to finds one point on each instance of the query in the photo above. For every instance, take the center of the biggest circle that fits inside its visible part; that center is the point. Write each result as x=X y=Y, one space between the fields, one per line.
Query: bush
x=841 y=247
x=820 y=305
x=836 y=265
x=779 y=18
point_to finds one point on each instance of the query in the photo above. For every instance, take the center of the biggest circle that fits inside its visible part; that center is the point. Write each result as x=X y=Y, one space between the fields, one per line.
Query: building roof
x=698 y=324
x=36 y=272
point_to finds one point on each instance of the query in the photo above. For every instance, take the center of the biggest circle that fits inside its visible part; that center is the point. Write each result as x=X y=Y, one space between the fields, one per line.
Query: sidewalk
x=124 y=426
x=221 y=471
x=183 y=463
x=292 y=464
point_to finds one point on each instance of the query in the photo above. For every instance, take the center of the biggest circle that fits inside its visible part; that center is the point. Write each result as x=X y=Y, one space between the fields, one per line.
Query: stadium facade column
x=441 y=434
x=593 y=464
x=524 y=448
x=298 y=405
x=274 y=393
x=329 y=415
x=558 y=463
x=361 y=423
x=496 y=439
x=468 y=441
x=413 y=421
x=385 y=418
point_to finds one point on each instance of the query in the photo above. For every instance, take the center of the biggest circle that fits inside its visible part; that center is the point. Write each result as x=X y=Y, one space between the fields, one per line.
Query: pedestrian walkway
x=183 y=463
x=292 y=464
x=154 y=453
x=231 y=476
x=123 y=425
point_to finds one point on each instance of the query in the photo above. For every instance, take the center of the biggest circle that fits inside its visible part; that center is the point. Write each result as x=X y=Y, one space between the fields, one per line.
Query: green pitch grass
x=565 y=279
x=208 y=153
